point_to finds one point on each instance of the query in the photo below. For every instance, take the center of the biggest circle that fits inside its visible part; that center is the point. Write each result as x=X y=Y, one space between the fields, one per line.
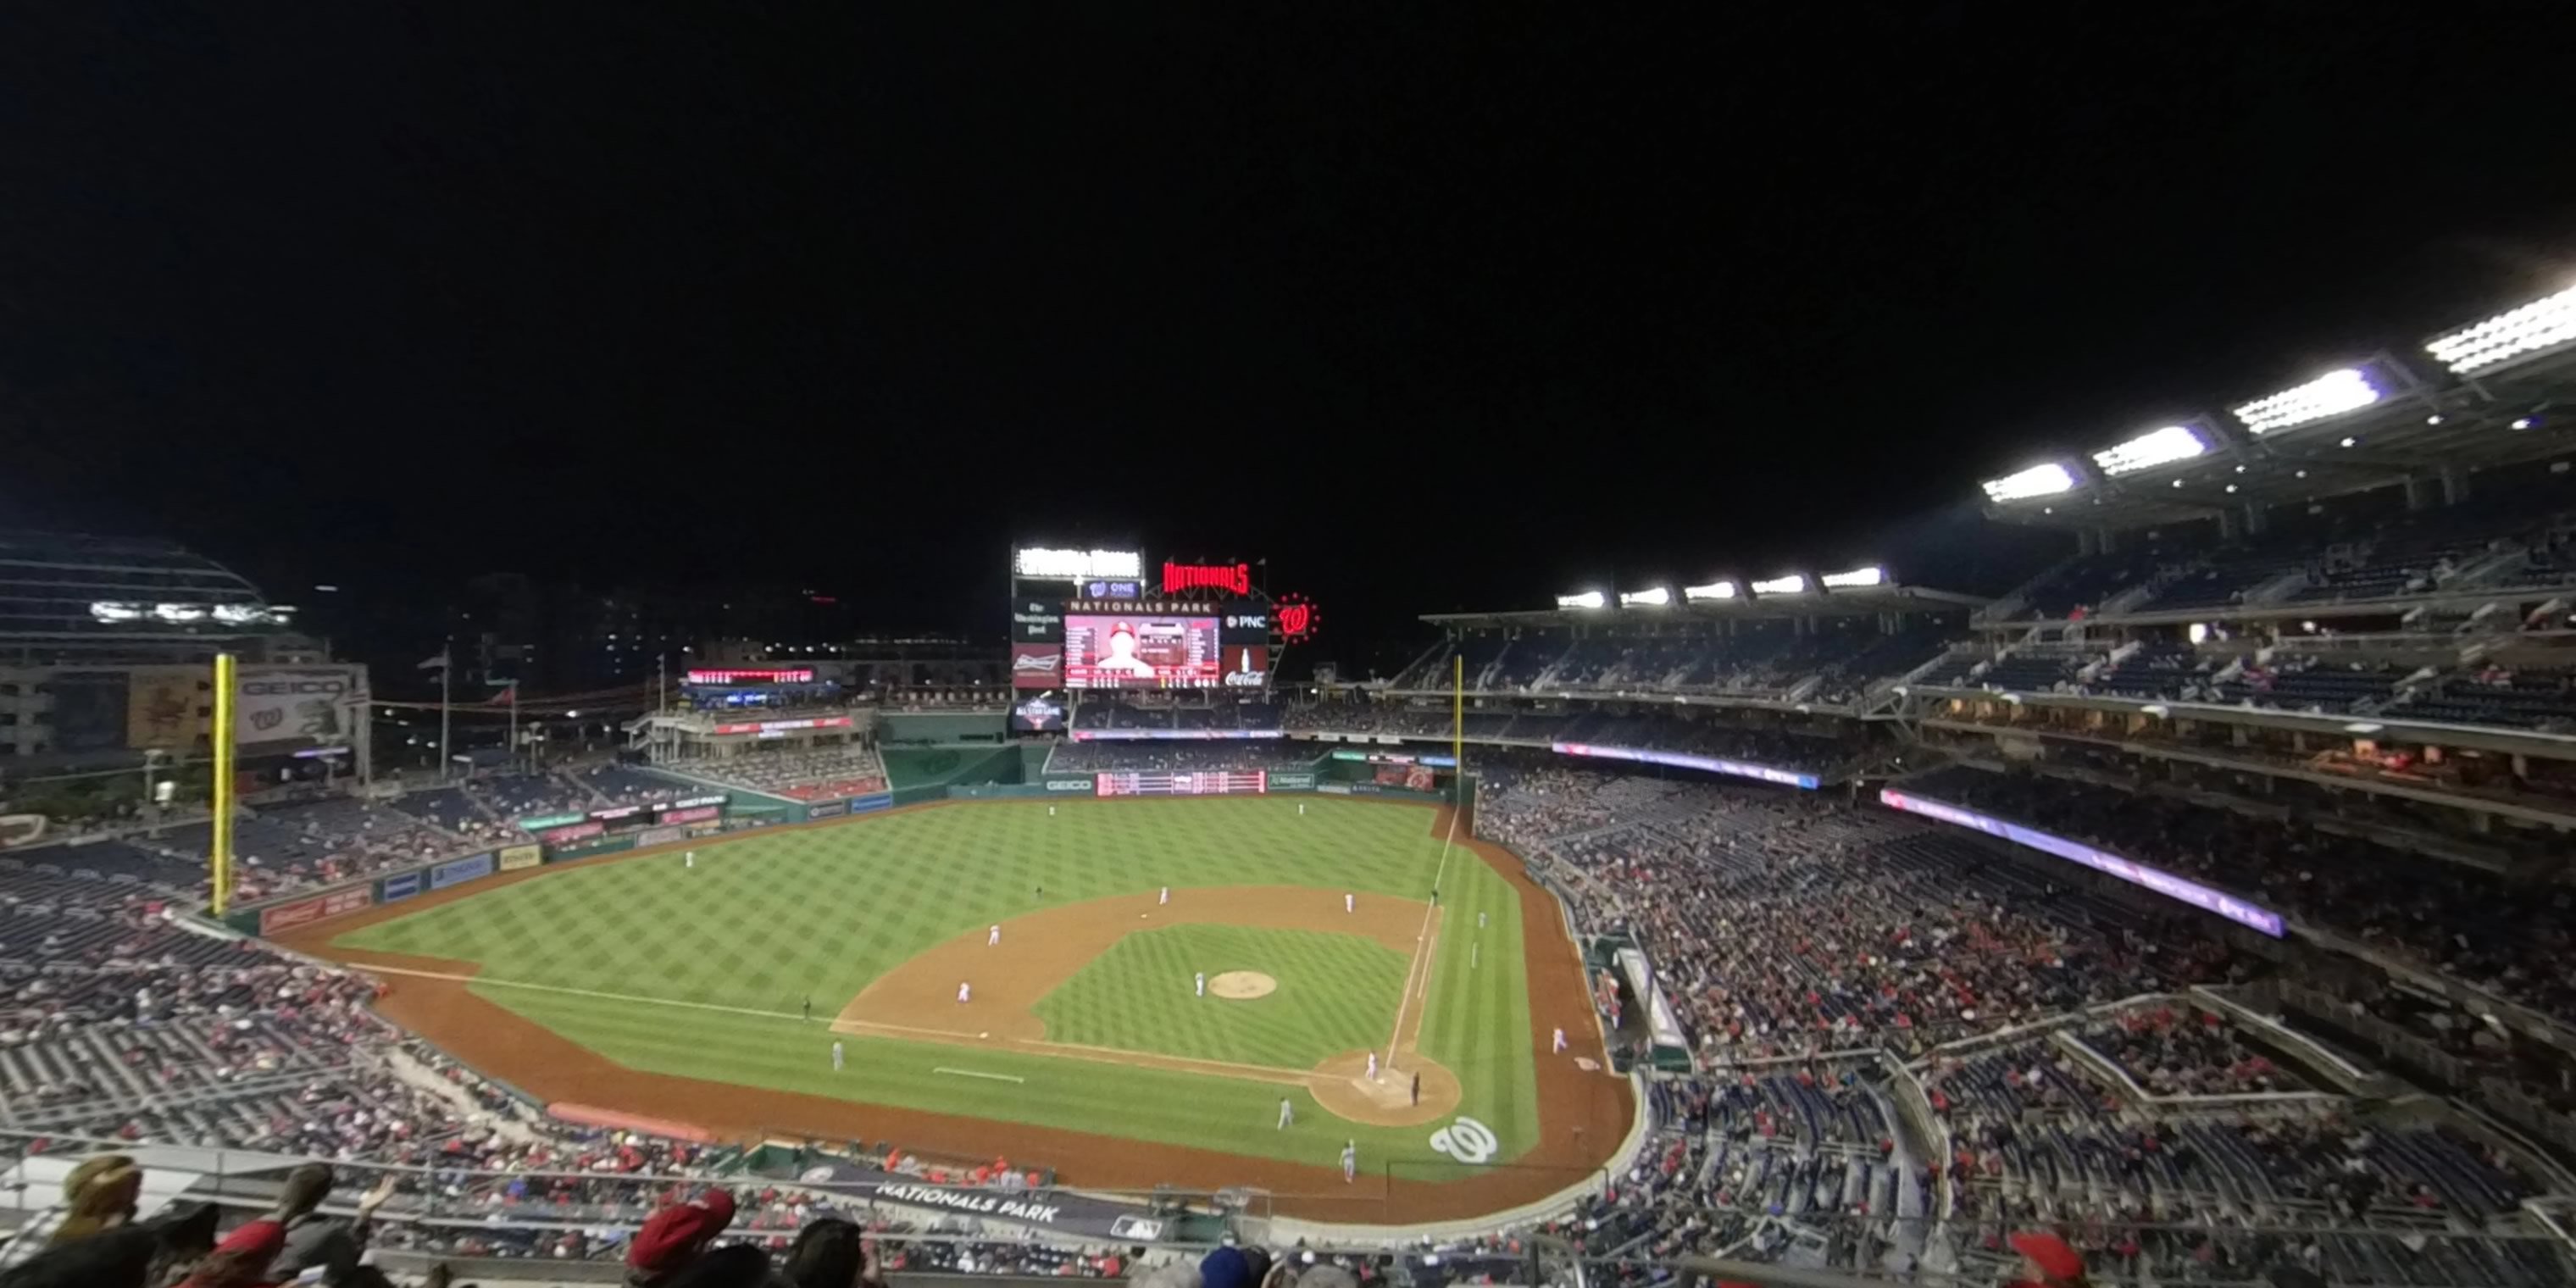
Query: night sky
x=1433 y=307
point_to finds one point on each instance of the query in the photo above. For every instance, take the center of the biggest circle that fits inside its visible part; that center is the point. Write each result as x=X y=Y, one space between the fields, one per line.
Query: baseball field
x=1123 y=990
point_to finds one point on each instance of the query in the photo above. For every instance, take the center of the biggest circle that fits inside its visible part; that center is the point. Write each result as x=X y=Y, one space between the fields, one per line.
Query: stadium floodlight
x=1588 y=599
x=1713 y=590
x=2327 y=396
x=1856 y=578
x=1074 y=565
x=238 y=614
x=1793 y=584
x=180 y=612
x=2039 y=480
x=2541 y=325
x=109 y=611
x=1653 y=597
x=2151 y=449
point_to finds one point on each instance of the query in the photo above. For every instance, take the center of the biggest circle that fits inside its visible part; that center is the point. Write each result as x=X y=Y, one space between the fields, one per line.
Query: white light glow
x=2329 y=395
x=180 y=612
x=2039 y=480
x=1870 y=576
x=105 y=611
x=1656 y=597
x=2540 y=325
x=1793 y=584
x=238 y=614
x=2151 y=449
x=1073 y=565
x=1588 y=599
x=1713 y=590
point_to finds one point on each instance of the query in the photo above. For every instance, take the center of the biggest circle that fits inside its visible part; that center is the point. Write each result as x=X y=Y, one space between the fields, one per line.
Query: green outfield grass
x=1336 y=993
x=769 y=920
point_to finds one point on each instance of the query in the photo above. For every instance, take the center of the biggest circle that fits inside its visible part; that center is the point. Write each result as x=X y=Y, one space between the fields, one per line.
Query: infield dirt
x=1583 y=1115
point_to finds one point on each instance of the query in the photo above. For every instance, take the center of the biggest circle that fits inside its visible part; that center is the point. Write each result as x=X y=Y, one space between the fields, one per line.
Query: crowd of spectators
x=1178 y=757
x=2464 y=921
x=821 y=774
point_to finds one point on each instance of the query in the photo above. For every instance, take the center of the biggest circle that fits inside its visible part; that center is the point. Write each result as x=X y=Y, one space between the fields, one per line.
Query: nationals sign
x=1232 y=578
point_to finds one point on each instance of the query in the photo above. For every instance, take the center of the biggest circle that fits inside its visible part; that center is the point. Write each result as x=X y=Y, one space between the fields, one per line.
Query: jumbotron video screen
x=1104 y=652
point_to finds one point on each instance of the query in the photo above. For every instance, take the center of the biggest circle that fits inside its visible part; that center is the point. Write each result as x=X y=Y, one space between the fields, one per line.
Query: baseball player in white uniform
x=836 y=1055
x=1287 y=1114
x=1167 y=896
x=1350 y=903
x=993 y=937
x=1372 y=1068
x=1560 y=1041
x=1202 y=983
x=1350 y=1161
x=689 y=859
x=965 y=991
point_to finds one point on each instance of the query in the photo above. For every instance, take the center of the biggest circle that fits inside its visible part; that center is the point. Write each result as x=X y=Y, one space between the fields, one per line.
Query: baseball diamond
x=1125 y=1041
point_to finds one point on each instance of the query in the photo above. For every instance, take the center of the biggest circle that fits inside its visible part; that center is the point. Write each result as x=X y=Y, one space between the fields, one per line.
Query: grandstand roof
x=2420 y=422
x=1847 y=602
x=75 y=597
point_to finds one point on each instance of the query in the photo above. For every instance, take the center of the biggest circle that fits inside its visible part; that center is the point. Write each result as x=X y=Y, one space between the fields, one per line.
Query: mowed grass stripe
x=767 y=920
x=1336 y=993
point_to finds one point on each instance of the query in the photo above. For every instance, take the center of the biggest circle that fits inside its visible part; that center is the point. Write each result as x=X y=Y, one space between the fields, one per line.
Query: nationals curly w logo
x=1466 y=1140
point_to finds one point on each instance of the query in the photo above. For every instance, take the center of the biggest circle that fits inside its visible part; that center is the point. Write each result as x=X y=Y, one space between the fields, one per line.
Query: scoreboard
x=1166 y=652
x=1153 y=782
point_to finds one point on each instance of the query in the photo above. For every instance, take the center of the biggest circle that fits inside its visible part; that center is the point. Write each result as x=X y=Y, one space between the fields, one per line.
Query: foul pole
x=220 y=853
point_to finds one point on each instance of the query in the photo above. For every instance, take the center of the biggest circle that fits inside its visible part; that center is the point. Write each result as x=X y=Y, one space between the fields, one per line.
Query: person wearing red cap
x=241 y=1260
x=1120 y=657
x=675 y=1236
x=2046 y=1261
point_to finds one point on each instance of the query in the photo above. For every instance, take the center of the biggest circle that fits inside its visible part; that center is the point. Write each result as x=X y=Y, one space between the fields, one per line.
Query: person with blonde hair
x=99 y=1194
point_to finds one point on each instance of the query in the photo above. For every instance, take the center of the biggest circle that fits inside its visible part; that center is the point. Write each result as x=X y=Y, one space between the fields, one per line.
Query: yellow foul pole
x=221 y=853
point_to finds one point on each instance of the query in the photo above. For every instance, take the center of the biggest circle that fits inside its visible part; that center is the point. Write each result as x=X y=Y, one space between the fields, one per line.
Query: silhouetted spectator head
x=241 y=1260
x=305 y=1189
x=829 y=1253
x=100 y=1193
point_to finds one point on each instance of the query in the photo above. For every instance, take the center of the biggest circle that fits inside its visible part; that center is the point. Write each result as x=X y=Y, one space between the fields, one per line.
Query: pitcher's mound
x=1342 y=1086
x=1241 y=985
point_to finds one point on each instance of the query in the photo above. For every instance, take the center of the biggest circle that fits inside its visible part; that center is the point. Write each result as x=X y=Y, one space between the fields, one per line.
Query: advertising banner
x=460 y=871
x=287 y=916
x=828 y=809
x=1213 y=782
x=659 y=836
x=691 y=814
x=1061 y=784
x=317 y=703
x=599 y=845
x=776 y=727
x=1740 y=769
x=1292 y=780
x=871 y=804
x=161 y=706
x=399 y=888
x=517 y=857
x=2252 y=916
x=545 y=822
x=693 y=802
x=1037 y=666
x=572 y=835
x=1037 y=714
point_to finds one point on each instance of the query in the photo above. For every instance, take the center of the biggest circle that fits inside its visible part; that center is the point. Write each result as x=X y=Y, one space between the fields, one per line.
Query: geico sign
x=291 y=688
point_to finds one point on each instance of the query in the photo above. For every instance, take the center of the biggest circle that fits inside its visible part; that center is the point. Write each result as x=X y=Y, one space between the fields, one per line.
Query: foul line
x=1421 y=963
x=973 y=1073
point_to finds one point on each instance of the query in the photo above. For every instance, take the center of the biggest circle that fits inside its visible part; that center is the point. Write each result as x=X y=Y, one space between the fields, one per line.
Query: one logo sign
x=1466 y=1140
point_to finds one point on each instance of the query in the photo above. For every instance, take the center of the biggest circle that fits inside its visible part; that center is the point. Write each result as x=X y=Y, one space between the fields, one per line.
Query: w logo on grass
x=1466 y=1140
